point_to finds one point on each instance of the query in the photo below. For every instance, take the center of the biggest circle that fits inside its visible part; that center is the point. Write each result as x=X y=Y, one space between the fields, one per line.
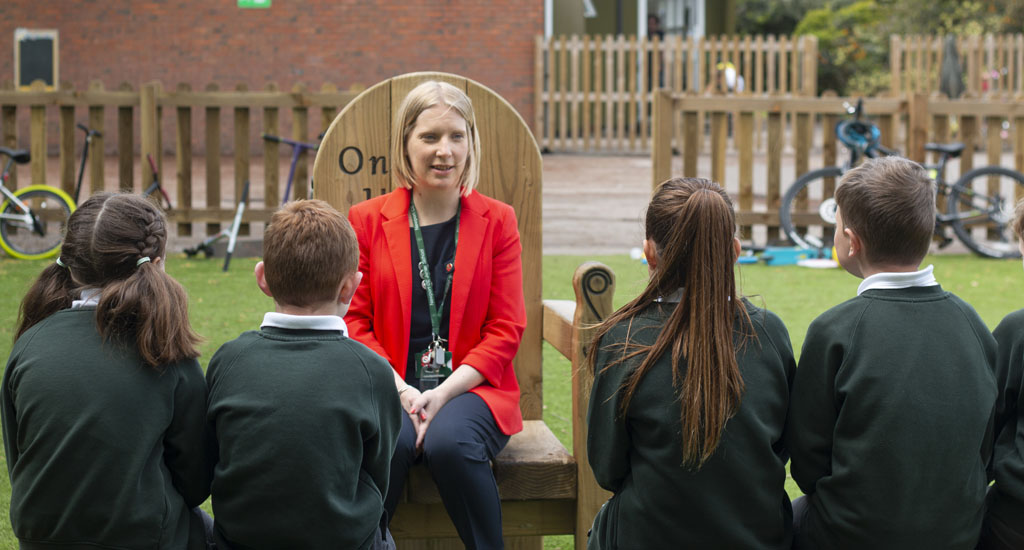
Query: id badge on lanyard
x=434 y=364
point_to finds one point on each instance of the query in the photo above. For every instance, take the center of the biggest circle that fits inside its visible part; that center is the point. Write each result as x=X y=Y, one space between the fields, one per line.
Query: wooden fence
x=992 y=129
x=990 y=64
x=594 y=93
x=140 y=113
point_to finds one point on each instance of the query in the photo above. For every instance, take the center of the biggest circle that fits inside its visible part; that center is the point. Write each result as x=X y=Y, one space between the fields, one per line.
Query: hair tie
x=60 y=263
x=141 y=261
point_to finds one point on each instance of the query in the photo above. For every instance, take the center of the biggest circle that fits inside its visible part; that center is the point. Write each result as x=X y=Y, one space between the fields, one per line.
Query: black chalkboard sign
x=35 y=57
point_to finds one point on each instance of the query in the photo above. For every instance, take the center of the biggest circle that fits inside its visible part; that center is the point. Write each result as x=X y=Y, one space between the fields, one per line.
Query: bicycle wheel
x=41 y=234
x=981 y=207
x=808 y=211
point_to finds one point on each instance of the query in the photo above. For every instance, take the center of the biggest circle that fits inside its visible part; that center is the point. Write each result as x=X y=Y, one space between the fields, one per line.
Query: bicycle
x=161 y=198
x=230 y=232
x=32 y=219
x=979 y=206
x=297 y=148
x=89 y=134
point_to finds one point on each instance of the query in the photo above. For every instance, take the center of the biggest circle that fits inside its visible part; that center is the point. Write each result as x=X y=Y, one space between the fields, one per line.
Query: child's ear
x=856 y=245
x=651 y=254
x=737 y=248
x=348 y=288
x=261 y=279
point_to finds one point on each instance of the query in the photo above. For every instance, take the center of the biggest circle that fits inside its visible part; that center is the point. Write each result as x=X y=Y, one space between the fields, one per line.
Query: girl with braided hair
x=103 y=400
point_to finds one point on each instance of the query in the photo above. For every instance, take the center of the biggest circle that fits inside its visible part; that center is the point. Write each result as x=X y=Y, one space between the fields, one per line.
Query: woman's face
x=437 y=147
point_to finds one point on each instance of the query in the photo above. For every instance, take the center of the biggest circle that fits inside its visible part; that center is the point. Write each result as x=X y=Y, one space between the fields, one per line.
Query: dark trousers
x=460 y=444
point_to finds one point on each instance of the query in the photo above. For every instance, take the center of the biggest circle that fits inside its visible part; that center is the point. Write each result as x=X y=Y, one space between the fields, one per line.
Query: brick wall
x=343 y=42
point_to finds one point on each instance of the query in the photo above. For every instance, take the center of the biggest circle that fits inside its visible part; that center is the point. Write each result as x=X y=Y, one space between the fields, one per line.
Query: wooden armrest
x=558 y=329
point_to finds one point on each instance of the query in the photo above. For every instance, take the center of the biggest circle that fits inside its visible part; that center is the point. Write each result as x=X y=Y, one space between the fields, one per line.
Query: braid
x=154 y=236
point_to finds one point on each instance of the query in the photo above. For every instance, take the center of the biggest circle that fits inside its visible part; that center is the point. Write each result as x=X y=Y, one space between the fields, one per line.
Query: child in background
x=690 y=393
x=890 y=423
x=306 y=419
x=103 y=399
x=1004 y=521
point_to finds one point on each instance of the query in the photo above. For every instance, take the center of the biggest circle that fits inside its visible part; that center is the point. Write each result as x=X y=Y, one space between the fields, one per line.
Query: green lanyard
x=428 y=282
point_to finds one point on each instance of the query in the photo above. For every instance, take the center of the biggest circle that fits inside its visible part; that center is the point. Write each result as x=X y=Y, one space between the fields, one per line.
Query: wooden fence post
x=212 y=161
x=662 y=132
x=9 y=120
x=37 y=133
x=183 y=144
x=148 y=124
x=125 y=143
x=271 y=155
x=917 y=134
x=67 y=148
x=241 y=152
x=895 y=70
x=97 y=181
x=538 y=91
x=810 y=71
x=597 y=282
x=300 y=129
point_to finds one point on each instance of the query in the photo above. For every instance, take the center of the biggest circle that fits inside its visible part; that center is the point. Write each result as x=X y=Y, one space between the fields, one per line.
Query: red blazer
x=488 y=313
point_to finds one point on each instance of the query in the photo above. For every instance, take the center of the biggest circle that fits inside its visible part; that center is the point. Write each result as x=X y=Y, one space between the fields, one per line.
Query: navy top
x=439 y=244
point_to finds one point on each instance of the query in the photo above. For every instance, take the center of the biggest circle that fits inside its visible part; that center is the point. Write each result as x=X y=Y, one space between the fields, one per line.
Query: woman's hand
x=423 y=410
x=428 y=403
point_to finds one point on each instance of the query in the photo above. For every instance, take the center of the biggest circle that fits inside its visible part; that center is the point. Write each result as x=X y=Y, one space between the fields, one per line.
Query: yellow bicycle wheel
x=38 y=232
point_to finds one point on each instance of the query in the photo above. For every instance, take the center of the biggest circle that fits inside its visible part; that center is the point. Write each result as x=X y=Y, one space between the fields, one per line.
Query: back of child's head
x=114 y=243
x=691 y=223
x=889 y=203
x=308 y=249
x=1018 y=220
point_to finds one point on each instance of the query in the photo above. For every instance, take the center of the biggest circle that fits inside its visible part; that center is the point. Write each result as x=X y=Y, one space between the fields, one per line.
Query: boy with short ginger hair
x=305 y=418
x=1004 y=520
x=890 y=423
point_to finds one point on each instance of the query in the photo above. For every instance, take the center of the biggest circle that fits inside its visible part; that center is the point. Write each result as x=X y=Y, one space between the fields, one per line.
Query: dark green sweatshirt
x=1008 y=502
x=738 y=498
x=890 y=423
x=102 y=450
x=306 y=422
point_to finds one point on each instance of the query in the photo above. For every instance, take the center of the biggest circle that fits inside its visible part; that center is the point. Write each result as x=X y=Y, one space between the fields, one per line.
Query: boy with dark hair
x=306 y=419
x=890 y=422
x=1004 y=521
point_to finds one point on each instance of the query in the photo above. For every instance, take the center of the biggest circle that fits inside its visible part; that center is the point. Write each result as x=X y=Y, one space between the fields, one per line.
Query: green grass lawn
x=225 y=304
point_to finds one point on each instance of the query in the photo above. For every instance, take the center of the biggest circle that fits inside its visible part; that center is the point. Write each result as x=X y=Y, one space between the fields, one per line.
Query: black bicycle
x=979 y=206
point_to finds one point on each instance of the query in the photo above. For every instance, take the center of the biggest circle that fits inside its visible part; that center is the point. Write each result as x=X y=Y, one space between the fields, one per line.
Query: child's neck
x=323 y=308
x=874 y=269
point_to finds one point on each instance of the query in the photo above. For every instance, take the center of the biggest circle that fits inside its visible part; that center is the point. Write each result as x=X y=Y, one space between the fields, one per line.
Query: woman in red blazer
x=468 y=254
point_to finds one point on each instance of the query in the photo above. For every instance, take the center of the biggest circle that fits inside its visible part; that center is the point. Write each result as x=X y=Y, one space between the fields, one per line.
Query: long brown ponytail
x=107 y=239
x=692 y=224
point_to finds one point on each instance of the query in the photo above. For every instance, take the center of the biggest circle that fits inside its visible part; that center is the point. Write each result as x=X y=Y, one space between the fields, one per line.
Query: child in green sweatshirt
x=306 y=419
x=1004 y=520
x=890 y=422
x=103 y=399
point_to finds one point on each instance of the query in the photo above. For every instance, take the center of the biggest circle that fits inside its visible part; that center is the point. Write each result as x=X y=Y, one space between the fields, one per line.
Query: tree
x=853 y=45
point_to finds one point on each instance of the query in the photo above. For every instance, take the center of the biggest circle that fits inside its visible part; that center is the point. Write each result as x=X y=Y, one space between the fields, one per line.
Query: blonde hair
x=426 y=95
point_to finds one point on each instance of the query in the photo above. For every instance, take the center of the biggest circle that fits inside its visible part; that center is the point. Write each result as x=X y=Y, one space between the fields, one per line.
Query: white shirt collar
x=898 y=280
x=673 y=298
x=304 y=322
x=89 y=297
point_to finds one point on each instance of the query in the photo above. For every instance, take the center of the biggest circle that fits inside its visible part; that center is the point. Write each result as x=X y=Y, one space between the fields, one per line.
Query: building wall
x=343 y=42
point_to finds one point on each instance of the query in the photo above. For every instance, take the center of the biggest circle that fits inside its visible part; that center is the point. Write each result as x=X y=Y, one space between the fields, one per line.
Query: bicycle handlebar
x=88 y=131
x=299 y=144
